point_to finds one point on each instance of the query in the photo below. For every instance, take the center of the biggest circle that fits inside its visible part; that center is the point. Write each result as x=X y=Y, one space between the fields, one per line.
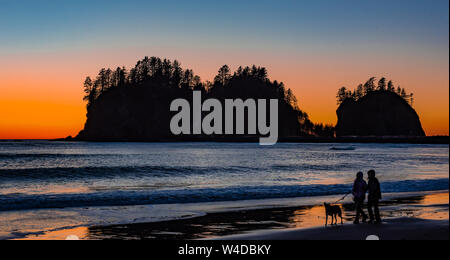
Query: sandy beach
x=391 y=229
x=405 y=217
x=426 y=220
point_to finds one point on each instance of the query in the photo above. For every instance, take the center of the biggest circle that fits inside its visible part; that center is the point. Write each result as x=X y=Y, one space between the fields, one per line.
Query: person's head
x=371 y=174
x=359 y=176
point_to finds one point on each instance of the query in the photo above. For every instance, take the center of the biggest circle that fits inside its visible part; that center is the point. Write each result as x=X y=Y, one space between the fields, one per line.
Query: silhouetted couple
x=360 y=188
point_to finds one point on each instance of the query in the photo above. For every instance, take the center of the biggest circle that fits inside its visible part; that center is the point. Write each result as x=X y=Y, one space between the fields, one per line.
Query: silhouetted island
x=134 y=105
x=378 y=110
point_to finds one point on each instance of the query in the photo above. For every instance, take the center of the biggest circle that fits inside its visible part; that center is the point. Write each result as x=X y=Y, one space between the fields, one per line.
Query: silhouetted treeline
x=370 y=86
x=148 y=70
x=377 y=109
x=134 y=104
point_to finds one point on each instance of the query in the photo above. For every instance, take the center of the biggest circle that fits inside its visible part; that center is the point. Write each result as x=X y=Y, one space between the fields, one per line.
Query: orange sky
x=41 y=92
x=47 y=48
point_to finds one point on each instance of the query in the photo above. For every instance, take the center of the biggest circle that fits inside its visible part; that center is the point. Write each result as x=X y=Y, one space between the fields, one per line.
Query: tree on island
x=363 y=90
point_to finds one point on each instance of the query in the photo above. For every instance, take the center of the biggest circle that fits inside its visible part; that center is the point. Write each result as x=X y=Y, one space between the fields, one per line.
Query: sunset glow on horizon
x=48 y=48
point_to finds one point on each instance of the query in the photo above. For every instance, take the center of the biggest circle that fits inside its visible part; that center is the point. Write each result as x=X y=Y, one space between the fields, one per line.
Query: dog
x=333 y=211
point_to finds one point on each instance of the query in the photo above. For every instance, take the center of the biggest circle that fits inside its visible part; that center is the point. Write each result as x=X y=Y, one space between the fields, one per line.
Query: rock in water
x=380 y=113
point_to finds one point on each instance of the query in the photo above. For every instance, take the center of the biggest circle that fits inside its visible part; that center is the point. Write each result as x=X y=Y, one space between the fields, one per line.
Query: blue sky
x=33 y=24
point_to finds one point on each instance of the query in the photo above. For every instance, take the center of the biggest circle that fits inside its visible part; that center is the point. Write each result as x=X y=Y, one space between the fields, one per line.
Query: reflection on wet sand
x=69 y=234
x=432 y=207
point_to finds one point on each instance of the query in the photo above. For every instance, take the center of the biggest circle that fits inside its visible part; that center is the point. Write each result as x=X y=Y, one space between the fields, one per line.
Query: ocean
x=70 y=183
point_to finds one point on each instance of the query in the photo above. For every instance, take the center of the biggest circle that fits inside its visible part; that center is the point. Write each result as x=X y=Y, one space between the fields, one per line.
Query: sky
x=47 y=48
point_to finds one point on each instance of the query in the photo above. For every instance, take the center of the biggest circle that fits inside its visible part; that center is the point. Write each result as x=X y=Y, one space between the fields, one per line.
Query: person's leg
x=358 y=210
x=377 y=211
x=364 y=215
x=369 y=208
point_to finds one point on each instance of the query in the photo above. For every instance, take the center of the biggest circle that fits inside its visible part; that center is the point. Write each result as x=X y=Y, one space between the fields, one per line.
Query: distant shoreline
x=343 y=140
x=246 y=139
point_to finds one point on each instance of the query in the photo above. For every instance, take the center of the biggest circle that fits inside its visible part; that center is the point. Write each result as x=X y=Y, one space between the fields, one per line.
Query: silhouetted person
x=359 y=195
x=374 y=198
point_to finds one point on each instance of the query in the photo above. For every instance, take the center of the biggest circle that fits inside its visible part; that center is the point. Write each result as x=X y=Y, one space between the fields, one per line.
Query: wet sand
x=391 y=229
x=415 y=217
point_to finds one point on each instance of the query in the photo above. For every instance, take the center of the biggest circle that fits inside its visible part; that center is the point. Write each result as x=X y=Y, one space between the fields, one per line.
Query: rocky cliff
x=135 y=104
x=380 y=113
x=143 y=114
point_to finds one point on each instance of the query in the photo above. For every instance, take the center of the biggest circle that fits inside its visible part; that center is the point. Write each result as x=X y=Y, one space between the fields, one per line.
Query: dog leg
x=326 y=221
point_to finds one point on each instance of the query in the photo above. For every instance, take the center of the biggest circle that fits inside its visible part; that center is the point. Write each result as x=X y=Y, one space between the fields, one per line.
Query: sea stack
x=379 y=113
